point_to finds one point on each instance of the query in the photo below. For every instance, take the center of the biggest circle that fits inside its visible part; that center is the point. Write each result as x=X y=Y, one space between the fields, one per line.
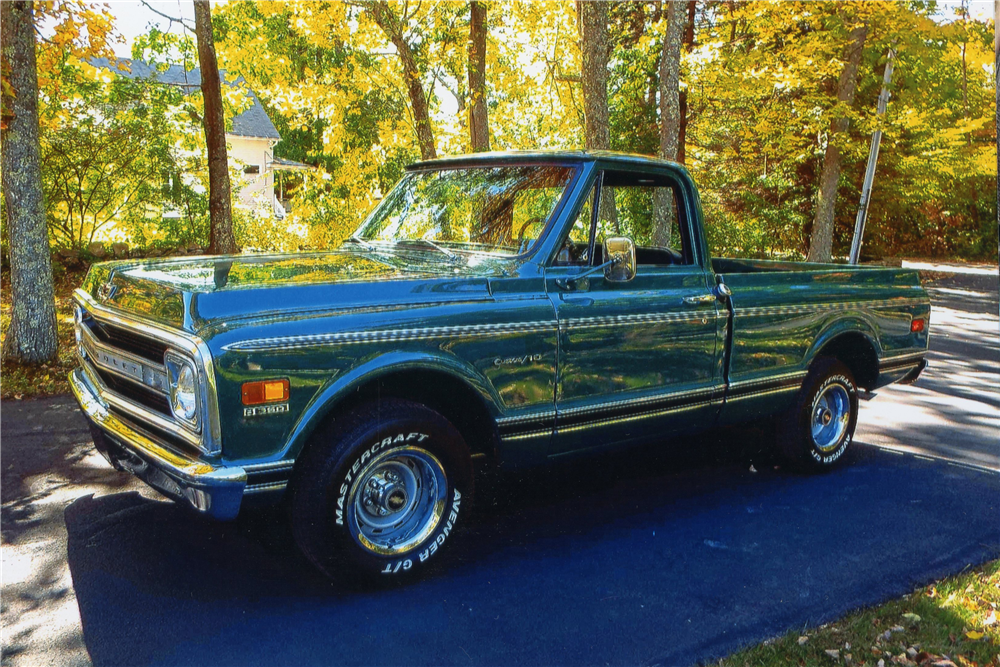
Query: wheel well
x=441 y=392
x=858 y=354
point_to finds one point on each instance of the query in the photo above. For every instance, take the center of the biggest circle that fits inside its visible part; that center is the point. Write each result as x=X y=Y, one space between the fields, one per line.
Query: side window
x=647 y=209
x=576 y=248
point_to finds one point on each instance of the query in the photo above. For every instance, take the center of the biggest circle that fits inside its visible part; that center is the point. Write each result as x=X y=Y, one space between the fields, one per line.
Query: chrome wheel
x=397 y=500
x=831 y=414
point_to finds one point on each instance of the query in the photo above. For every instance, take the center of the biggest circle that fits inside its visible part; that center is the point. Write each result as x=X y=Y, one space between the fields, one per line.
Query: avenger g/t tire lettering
x=816 y=433
x=382 y=489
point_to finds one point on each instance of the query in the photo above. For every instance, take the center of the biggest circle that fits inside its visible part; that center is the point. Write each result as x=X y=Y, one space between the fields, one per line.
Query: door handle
x=701 y=298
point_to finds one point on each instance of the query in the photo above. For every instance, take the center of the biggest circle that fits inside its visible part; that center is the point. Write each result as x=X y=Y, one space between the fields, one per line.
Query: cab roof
x=542 y=156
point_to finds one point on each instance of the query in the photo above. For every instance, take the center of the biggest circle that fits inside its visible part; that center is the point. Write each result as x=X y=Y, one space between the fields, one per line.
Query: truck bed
x=783 y=311
x=757 y=282
x=726 y=265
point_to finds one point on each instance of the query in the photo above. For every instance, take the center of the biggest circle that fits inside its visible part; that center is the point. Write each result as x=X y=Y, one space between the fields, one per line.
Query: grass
x=952 y=620
x=24 y=381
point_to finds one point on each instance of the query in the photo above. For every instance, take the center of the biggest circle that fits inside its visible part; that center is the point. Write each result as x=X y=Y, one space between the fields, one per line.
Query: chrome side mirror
x=620 y=253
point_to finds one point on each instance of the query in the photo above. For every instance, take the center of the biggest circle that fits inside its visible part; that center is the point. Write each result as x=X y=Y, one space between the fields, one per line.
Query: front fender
x=341 y=387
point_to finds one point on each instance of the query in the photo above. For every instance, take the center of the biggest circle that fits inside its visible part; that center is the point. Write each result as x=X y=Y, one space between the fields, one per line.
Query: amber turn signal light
x=916 y=326
x=265 y=391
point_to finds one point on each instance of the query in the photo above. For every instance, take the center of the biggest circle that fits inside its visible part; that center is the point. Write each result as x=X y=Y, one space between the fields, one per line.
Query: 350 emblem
x=260 y=410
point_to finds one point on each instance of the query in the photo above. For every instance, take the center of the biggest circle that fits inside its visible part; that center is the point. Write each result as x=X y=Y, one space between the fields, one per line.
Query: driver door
x=637 y=359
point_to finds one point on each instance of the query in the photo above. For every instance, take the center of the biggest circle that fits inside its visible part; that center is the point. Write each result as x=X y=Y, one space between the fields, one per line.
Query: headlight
x=183 y=389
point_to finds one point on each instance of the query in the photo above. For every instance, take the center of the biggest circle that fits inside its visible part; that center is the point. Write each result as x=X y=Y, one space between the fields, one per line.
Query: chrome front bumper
x=216 y=491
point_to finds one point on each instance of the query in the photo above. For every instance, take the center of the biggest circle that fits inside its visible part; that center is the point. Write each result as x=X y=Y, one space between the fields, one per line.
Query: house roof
x=253 y=122
x=284 y=164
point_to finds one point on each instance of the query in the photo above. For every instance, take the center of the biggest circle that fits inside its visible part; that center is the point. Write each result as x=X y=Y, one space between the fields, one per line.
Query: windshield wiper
x=452 y=256
x=354 y=238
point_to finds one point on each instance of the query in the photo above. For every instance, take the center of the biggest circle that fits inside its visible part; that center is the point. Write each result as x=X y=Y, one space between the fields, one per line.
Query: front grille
x=135 y=392
x=126 y=340
x=127 y=364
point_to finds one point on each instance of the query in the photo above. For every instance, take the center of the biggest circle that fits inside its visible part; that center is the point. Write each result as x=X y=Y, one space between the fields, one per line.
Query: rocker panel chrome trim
x=273 y=466
x=251 y=489
x=624 y=419
x=694 y=394
x=901 y=359
x=527 y=435
x=764 y=392
x=775 y=379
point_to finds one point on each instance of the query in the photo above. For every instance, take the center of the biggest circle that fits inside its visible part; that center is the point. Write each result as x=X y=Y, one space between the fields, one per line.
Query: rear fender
x=852 y=325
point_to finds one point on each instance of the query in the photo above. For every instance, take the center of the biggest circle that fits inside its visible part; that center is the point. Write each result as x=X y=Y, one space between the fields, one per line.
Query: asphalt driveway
x=672 y=555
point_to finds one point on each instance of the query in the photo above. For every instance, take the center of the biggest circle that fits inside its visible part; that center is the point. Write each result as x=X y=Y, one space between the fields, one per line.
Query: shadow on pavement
x=953 y=411
x=666 y=557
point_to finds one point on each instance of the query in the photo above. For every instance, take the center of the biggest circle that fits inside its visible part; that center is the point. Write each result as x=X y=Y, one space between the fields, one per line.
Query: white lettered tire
x=382 y=489
x=817 y=432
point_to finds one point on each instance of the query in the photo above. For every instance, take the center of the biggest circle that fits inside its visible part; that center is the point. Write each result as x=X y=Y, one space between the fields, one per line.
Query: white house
x=250 y=142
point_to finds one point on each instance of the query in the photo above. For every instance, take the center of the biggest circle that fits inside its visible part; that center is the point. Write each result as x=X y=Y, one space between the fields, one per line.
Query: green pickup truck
x=509 y=308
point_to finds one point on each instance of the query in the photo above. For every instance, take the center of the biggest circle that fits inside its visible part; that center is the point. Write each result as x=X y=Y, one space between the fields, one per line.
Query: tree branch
x=172 y=19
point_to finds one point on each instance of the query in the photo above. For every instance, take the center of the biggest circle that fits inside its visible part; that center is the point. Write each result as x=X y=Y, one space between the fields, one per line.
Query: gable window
x=251 y=169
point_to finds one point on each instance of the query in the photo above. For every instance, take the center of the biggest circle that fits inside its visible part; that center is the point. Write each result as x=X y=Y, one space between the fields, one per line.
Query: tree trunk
x=31 y=334
x=687 y=41
x=393 y=29
x=593 y=21
x=821 y=239
x=670 y=117
x=479 y=128
x=594 y=35
x=220 y=239
x=965 y=67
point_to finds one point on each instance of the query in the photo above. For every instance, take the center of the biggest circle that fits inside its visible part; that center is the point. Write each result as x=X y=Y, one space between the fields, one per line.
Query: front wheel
x=382 y=490
x=817 y=431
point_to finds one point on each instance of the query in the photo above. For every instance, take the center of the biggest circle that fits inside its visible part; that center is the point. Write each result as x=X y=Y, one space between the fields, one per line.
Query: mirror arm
x=570 y=282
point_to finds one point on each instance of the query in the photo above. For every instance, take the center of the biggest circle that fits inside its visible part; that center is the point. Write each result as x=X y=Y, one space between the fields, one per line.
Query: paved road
x=668 y=556
x=953 y=411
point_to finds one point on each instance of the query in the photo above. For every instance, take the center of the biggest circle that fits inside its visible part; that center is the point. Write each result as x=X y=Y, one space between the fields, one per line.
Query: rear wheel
x=381 y=490
x=818 y=430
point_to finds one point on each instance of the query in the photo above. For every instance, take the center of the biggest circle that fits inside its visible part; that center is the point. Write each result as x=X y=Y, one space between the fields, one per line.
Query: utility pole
x=866 y=189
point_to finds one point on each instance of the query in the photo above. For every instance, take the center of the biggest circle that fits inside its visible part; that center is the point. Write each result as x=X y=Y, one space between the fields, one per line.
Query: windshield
x=494 y=210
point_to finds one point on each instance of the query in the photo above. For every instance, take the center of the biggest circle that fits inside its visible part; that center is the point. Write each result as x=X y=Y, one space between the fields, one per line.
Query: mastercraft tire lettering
x=384 y=489
x=818 y=430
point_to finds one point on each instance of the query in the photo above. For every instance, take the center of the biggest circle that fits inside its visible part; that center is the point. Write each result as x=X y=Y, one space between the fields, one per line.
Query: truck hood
x=195 y=292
